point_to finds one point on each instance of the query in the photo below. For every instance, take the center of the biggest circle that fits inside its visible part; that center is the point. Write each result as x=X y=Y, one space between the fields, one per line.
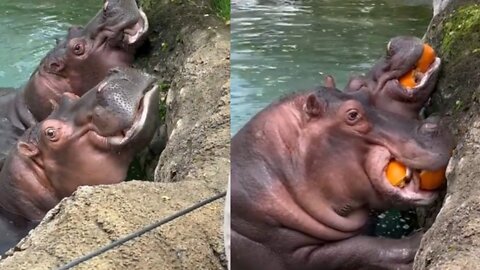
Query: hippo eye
x=78 y=49
x=353 y=116
x=51 y=134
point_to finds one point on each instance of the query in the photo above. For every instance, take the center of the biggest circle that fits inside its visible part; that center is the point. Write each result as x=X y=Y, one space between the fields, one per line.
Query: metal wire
x=141 y=232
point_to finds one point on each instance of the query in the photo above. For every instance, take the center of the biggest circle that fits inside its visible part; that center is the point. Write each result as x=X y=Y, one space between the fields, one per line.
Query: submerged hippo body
x=85 y=141
x=383 y=80
x=306 y=171
x=75 y=65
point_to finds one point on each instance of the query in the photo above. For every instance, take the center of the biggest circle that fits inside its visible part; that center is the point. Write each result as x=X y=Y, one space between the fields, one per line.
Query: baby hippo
x=403 y=80
x=75 y=65
x=307 y=170
x=85 y=141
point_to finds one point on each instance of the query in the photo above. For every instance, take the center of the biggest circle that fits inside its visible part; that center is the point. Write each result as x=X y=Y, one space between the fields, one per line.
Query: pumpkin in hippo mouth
x=401 y=176
x=414 y=77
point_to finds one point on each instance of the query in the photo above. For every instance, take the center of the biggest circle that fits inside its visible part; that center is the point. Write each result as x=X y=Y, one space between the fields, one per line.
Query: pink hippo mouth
x=143 y=122
x=134 y=33
x=409 y=192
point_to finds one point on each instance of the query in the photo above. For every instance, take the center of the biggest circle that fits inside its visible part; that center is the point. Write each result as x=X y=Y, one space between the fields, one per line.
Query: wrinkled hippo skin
x=85 y=141
x=75 y=65
x=382 y=80
x=307 y=169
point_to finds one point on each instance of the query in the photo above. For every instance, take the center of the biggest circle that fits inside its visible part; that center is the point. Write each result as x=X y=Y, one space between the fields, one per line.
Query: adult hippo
x=307 y=169
x=403 y=80
x=75 y=65
x=85 y=141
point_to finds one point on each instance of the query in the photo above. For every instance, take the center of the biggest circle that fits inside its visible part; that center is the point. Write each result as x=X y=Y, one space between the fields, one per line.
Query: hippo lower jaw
x=424 y=78
x=143 y=122
x=410 y=194
x=137 y=31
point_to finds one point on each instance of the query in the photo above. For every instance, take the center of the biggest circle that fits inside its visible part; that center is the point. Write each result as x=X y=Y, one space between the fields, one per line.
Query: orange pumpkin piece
x=408 y=80
x=430 y=180
x=396 y=173
x=428 y=56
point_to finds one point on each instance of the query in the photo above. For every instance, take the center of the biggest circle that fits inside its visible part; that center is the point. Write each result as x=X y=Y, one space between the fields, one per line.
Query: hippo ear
x=329 y=82
x=314 y=106
x=56 y=66
x=27 y=149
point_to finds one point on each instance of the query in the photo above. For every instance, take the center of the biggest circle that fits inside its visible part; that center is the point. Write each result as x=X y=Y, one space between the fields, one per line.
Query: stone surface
x=453 y=241
x=95 y=216
x=194 y=61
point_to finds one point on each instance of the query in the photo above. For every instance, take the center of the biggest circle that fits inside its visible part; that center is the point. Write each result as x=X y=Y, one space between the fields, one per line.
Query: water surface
x=29 y=28
x=281 y=46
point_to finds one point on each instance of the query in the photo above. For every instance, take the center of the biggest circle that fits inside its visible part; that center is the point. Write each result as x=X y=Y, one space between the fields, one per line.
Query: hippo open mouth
x=134 y=33
x=145 y=107
x=417 y=78
x=120 y=22
x=409 y=190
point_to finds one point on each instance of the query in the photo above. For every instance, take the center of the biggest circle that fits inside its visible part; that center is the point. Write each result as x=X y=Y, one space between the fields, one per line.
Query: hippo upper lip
x=150 y=97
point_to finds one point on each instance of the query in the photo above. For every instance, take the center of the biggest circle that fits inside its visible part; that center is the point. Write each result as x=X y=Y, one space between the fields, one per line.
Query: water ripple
x=280 y=46
x=31 y=28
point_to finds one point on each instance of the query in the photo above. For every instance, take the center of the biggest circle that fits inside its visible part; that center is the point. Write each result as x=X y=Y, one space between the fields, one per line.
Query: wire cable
x=141 y=232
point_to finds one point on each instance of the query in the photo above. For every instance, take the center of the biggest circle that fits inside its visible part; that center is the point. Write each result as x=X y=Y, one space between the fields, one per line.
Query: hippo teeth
x=418 y=76
x=422 y=78
x=406 y=180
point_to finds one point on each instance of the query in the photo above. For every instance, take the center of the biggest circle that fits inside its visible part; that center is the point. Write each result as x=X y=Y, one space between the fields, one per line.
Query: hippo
x=75 y=65
x=407 y=59
x=89 y=140
x=306 y=171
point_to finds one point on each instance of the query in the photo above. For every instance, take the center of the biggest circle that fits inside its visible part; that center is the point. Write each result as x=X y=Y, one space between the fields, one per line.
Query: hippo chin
x=385 y=80
x=307 y=170
x=75 y=65
x=85 y=141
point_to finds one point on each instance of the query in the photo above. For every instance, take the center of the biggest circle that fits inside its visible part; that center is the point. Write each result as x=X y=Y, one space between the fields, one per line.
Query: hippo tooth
x=409 y=173
x=102 y=86
x=406 y=179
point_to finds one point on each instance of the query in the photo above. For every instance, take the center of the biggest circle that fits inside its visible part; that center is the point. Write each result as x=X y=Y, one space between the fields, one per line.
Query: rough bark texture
x=453 y=241
x=189 y=52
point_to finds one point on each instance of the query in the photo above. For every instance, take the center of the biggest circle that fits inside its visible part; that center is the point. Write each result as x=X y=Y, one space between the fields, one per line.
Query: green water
x=282 y=46
x=28 y=30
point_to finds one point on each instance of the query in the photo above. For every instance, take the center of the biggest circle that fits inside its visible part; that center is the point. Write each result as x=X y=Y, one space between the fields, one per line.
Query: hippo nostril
x=114 y=70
